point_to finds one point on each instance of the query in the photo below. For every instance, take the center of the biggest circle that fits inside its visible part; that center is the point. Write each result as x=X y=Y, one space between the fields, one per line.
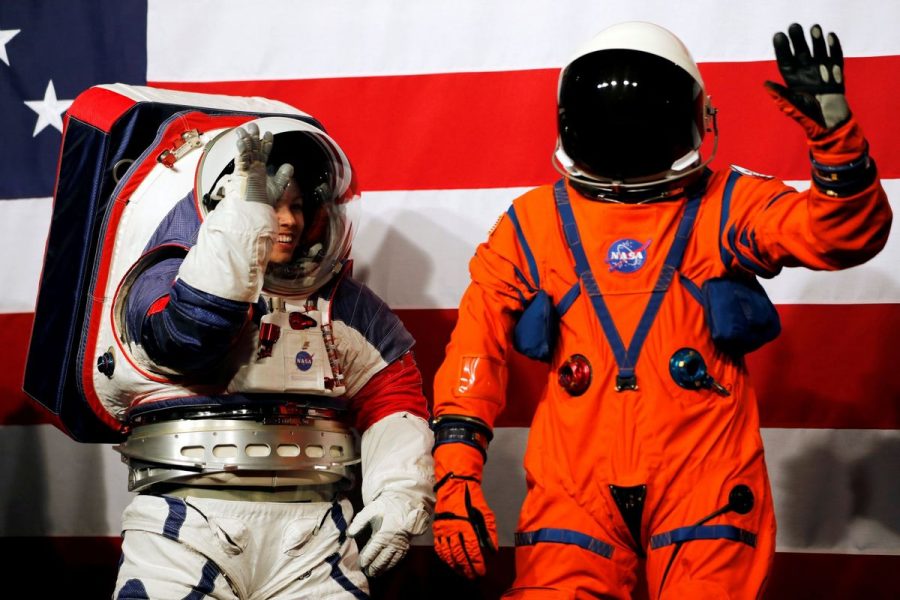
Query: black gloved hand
x=814 y=91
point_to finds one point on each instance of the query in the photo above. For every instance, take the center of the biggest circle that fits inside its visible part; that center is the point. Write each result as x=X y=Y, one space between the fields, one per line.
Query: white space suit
x=244 y=384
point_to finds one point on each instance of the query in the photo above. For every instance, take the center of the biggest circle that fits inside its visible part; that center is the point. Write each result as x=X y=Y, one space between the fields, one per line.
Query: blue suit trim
x=626 y=358
x=723 y=218
x=569 y=299
x=133 y=589
x=523 y=243
x=180 y=226
x=195 y=330
x=564 y=536
x=337 y=517
x=692 y=288
x=358 y=307
x=176 y=517
x=335 y=560
x=703 y=532
x=207 y=582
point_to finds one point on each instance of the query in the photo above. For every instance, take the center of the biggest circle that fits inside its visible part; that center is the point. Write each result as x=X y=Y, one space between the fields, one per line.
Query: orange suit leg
x=587 y=561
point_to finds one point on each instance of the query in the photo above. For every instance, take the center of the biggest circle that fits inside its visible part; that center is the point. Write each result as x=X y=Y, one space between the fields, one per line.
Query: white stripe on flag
x=309 y=39
x=59 y=487
x=24 y=226
x=835 y=490
x=427 y=237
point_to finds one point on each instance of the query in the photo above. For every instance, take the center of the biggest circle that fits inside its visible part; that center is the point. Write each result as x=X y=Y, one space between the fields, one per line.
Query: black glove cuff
x=451 y=429
x=846 y=179
x=452 y=475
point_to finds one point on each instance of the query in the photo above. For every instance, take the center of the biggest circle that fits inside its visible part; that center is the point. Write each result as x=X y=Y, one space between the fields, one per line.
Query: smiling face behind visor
x=318 y=212
x=289 y=215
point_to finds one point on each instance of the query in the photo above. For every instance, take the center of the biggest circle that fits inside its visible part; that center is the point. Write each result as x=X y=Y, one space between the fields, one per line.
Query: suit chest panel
x=627 y=247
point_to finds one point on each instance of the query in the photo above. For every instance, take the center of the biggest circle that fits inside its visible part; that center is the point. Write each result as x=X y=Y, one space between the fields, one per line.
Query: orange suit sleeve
x=771 y=225
x=472 y=378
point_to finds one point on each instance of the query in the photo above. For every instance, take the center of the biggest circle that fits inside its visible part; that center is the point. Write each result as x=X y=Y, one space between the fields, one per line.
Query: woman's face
x=289 y=212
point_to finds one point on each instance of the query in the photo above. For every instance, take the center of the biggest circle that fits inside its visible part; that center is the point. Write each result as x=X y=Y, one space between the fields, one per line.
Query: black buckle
x=626 y=382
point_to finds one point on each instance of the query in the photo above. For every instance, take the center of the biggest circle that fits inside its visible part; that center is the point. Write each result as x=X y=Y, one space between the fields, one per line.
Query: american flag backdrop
x=447 y=110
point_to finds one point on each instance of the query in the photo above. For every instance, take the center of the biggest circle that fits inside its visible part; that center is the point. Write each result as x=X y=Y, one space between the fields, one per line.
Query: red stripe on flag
x=830 y=368
x=497 y=129
x=17 y=408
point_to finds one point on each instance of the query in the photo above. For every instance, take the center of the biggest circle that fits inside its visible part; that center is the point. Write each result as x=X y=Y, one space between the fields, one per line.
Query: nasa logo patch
x=304 y=360
x=627 y=255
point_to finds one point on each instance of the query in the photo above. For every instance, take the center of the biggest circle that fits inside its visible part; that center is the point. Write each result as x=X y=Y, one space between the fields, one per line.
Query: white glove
x=249 y=181
x=393 y=521
x=277 y=183
x=234 y=242
x=397 y=489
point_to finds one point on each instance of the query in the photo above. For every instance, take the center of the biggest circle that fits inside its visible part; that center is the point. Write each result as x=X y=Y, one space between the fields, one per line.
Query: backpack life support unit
x=129 y=154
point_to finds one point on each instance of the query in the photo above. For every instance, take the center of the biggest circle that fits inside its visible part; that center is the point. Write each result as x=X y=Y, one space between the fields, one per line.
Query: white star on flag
x=49 y=110
x=5 y=36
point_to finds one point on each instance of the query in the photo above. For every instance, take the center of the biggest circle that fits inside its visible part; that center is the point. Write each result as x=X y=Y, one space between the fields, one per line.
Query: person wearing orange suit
x=634 y=277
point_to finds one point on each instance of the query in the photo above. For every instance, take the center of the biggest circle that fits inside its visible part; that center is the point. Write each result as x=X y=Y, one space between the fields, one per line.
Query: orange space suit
x=646 y=440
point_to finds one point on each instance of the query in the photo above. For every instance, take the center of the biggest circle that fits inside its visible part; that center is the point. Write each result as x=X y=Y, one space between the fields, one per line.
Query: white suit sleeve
x=396 y=457
x=232 y=250
x=397 y=488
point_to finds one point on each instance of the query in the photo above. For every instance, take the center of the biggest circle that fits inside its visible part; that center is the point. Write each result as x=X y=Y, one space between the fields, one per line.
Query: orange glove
x=464 y=525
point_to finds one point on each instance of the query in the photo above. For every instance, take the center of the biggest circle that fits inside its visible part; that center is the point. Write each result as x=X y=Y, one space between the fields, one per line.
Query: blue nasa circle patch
x=627 y=255
x=304 y=360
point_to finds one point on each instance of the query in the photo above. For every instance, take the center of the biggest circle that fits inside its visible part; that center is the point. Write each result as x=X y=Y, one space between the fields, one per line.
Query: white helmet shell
x=632 y=114
x=643 y=37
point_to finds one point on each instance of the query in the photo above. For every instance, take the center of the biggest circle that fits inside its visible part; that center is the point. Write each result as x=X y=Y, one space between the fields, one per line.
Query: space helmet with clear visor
x=330 y=197
x=632 y=113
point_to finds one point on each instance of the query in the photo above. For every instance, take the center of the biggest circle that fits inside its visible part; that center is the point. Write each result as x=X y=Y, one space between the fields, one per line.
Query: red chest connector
x=268 y=335
x=575 y=375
